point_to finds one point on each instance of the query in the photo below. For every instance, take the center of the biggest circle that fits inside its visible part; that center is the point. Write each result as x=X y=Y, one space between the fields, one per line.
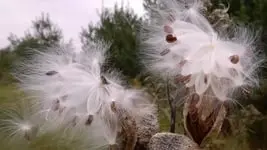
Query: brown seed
x=104 y=80
x=89 y=120
x=184 y=79
x=233 y=72
x=171 y=18
x=61 y=110
x=205 y=79
x=168 y=29
x=74 y=121
x=56 y=105
x=113 y=107
x=165 y=51
x=170 y=38
x=64 y=98
x=182 y=63
x=234 y=59
x=50 y=73
x=246 y=91
x=195 y=98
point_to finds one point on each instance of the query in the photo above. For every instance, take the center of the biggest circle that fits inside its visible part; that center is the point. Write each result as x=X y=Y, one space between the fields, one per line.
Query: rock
x=171 y=141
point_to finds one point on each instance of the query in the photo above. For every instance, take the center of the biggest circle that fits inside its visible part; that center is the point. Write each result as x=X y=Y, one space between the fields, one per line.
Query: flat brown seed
x=233 y=72
x=170 y=38
x=113 y=107
x=56 y=105
x=51 y=73
x=165 y=51
x=89 y=120
x=171 y=18
x=246 y=91
x=182 y=63
x=74 y=121
x=195 y=98
x=205 y=79
x=184 y=79
x=104 y=80
x=168 y=29
x=234 y=59
x=61 y=110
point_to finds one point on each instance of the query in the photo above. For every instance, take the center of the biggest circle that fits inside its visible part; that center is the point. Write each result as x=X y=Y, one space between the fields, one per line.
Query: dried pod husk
x=203 y=117
x=147 y=127
x=171 y=141
x=128 y=125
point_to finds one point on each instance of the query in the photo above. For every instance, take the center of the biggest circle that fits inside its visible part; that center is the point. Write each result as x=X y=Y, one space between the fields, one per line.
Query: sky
x=16 y=16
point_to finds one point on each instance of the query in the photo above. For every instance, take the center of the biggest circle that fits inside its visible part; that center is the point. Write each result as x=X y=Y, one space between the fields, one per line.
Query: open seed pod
x=128 y=125
x=203 y=117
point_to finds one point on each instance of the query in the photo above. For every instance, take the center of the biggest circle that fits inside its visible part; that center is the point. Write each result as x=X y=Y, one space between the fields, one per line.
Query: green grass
x=9 y=93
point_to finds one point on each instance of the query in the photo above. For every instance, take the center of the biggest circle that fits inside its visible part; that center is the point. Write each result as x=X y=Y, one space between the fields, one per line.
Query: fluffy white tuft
x=75 y=90
x=19 y=120
x=183 y=43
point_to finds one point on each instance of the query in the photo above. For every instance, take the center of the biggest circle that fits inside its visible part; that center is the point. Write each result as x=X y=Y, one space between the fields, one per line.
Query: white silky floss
x=184 y=43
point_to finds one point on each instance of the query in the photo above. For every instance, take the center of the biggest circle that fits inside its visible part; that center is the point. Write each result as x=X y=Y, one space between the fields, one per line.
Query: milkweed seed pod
x=172 y=141
x=211 y=65
x=73 y=88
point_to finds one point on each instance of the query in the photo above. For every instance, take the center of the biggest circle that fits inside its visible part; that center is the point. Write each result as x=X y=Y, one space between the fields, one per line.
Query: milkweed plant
x=181 y=44
x=77 y=92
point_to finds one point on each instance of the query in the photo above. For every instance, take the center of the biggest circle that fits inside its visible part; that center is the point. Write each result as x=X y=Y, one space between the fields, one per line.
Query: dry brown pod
x=128 y=124
x=171 y=141
x=203 y=118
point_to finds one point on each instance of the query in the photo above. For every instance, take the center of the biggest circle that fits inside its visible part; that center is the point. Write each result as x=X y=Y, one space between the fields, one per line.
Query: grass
x=9 y=93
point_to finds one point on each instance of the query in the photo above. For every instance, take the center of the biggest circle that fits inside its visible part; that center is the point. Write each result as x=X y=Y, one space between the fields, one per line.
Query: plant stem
x=172 y=109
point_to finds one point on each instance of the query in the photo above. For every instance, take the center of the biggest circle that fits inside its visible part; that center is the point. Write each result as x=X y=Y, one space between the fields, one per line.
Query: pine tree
x=119 y=29
x=44 y=33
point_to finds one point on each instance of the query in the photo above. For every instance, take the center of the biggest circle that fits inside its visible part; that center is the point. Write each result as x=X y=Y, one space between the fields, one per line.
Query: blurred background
x=33 y=24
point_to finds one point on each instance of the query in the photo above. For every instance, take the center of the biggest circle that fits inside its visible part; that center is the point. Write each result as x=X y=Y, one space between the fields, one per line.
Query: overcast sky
x=70 y=15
